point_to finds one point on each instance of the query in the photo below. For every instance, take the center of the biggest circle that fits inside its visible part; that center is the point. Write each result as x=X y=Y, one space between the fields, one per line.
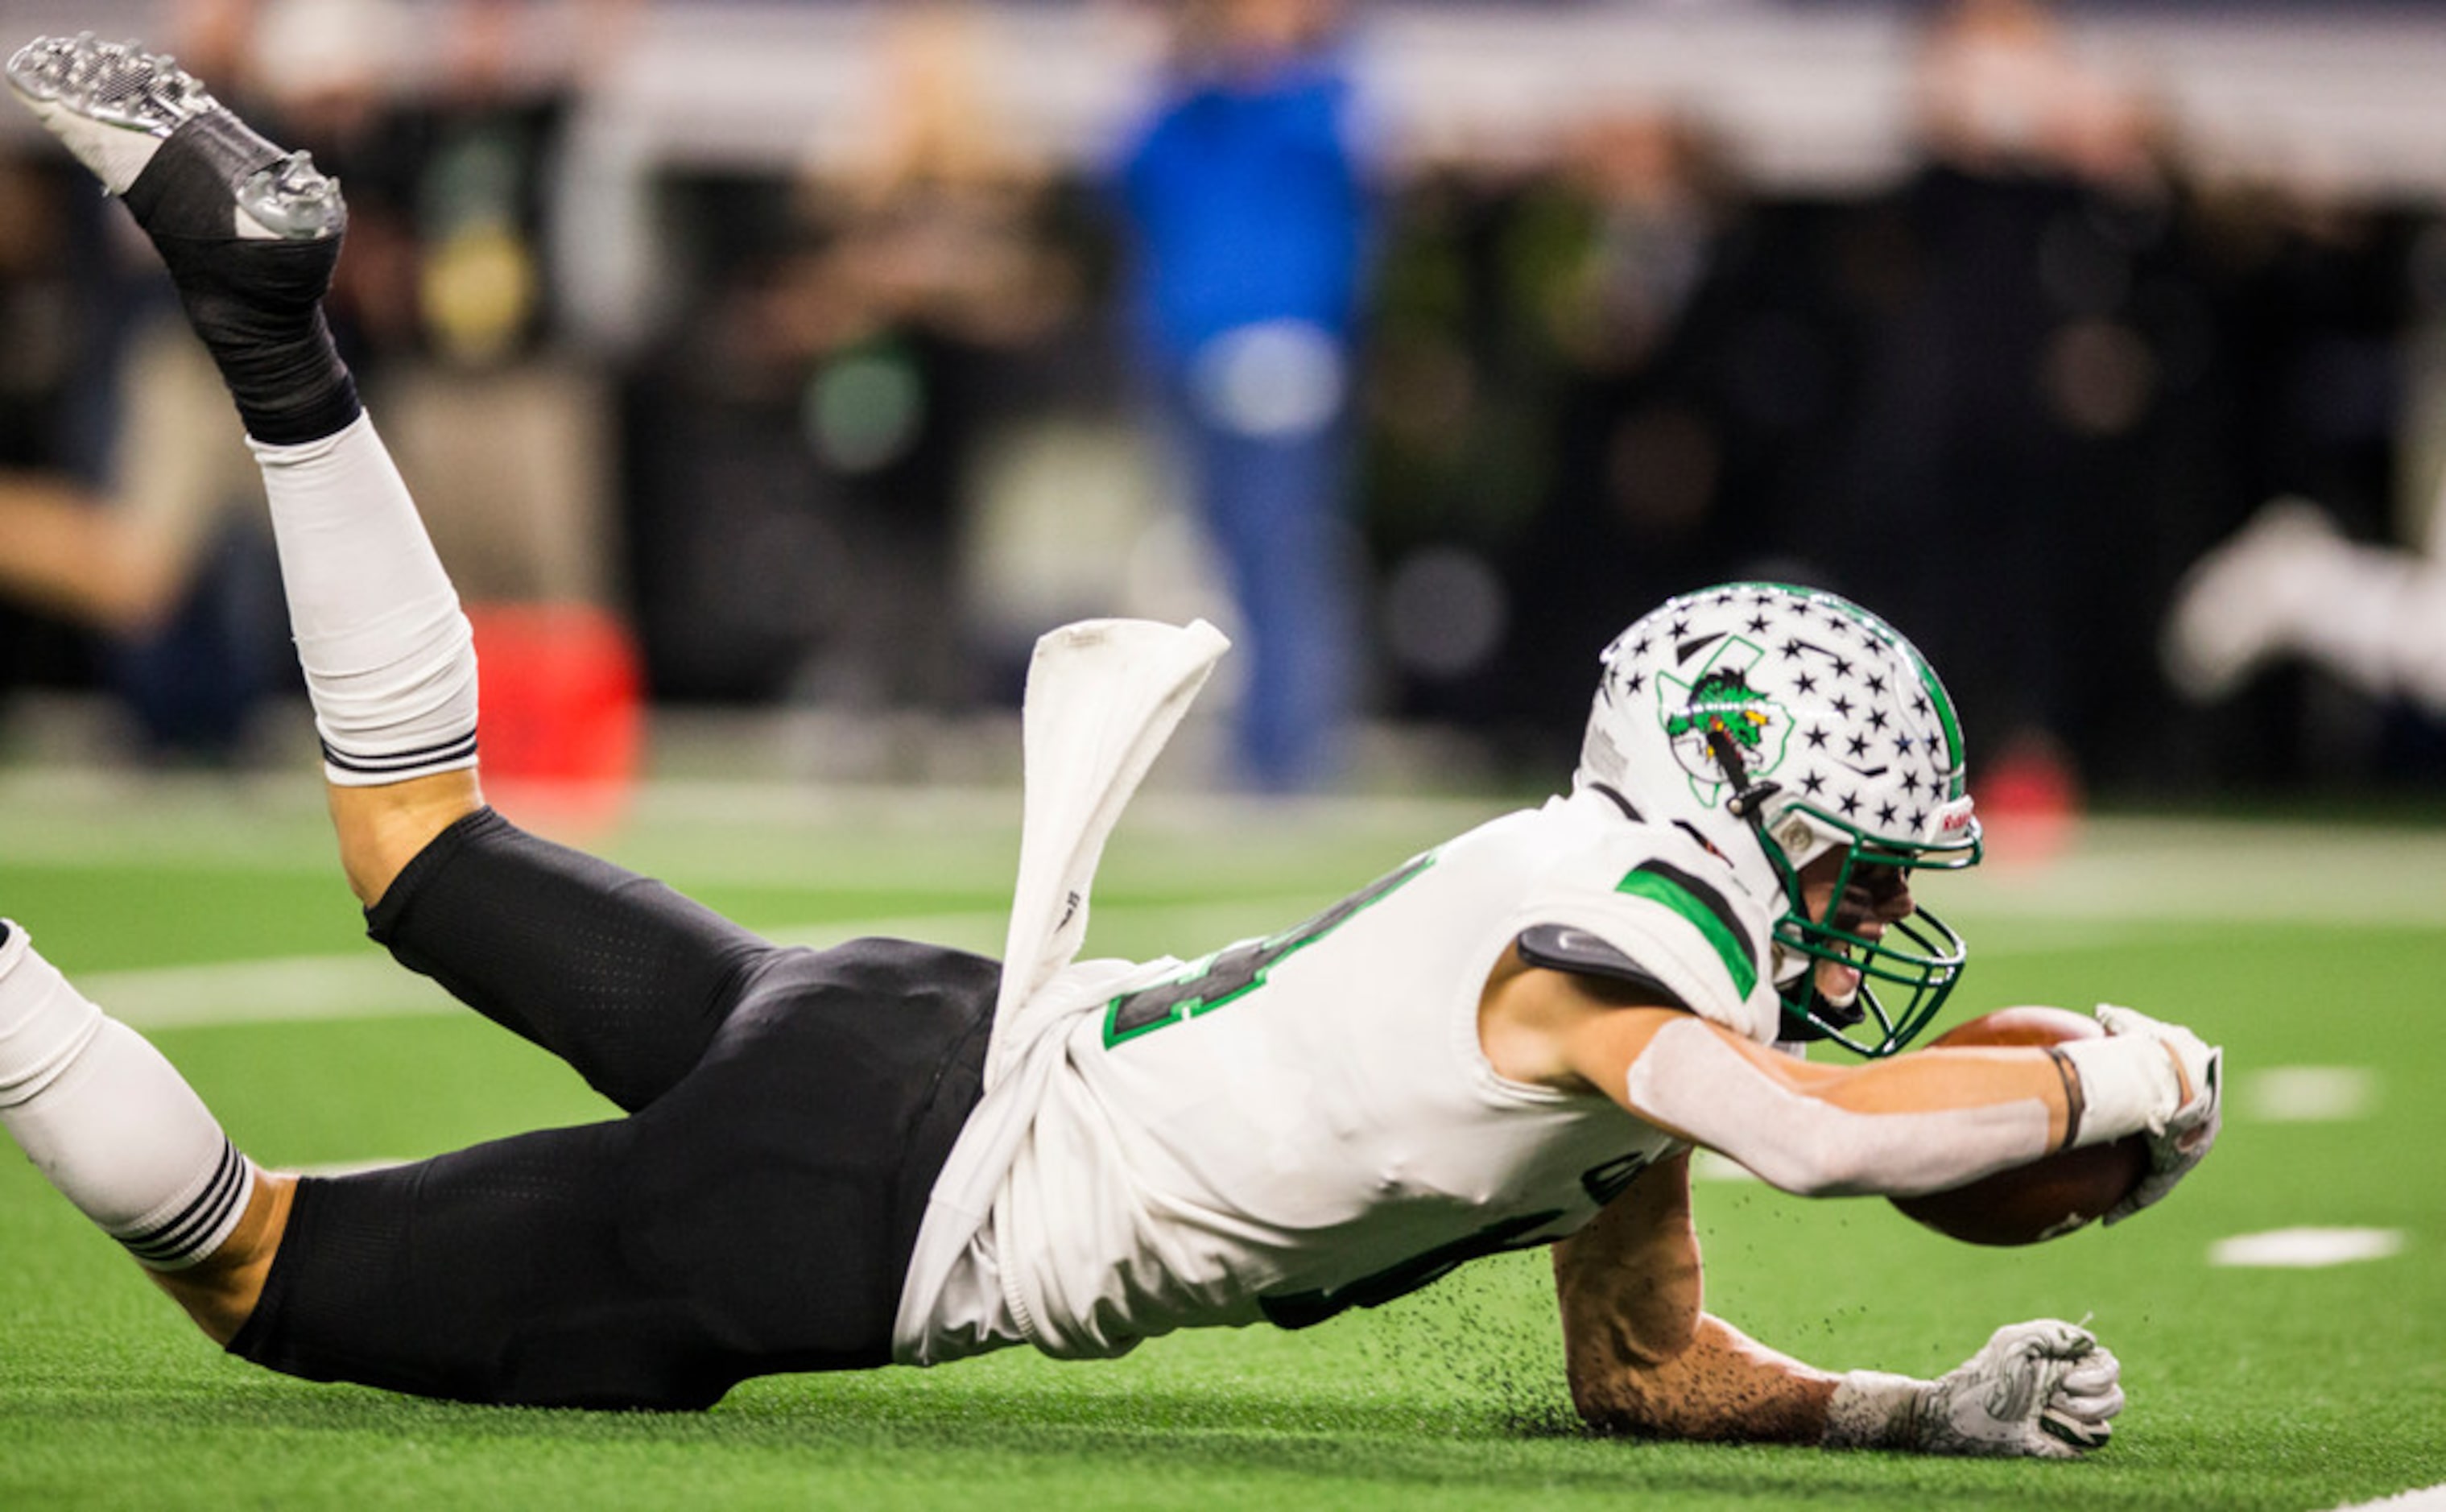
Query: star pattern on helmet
x=1867 y=702
x=1868 y=737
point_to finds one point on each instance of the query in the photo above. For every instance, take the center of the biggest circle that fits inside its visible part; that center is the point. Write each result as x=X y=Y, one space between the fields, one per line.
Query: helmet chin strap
x=1749 y=799
x=1748 y=803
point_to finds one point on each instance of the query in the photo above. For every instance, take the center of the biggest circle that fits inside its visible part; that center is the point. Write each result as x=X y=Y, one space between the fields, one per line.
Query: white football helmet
x=1779 y=724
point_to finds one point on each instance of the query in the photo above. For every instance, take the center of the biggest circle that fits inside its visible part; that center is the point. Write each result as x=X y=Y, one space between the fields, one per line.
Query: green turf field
x=210 y=914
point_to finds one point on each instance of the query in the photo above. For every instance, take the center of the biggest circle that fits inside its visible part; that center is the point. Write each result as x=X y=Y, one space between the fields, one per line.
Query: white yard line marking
x=370 y=985
x=2305 y=1248
x=262 y=991
x=2421 y=1499
x=2308 y=1094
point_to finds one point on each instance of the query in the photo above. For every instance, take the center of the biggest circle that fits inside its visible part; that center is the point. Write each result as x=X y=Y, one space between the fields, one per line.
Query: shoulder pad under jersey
x=1645 y=905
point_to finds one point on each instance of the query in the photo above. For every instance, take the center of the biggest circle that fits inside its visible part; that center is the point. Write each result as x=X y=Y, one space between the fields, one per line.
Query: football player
x=890 y=1152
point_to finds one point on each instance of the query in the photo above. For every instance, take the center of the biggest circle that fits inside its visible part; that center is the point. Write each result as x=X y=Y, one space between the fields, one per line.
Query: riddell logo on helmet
x=1722 y=701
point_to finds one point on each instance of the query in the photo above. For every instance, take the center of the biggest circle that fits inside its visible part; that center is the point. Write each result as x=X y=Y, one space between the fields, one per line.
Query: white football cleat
x=2242 y=604
x=111 y=102
x=117 y=107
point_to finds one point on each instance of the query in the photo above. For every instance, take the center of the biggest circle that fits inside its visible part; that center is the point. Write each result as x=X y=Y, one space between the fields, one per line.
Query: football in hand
x=2051 y=1195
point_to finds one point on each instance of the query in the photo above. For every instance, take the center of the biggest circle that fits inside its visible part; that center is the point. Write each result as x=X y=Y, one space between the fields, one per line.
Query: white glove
x=2045 y=1389
x=2184 y=1138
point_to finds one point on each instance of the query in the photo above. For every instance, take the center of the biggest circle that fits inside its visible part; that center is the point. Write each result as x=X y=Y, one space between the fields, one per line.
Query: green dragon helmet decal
x=1781 y=724
x=1722 y=701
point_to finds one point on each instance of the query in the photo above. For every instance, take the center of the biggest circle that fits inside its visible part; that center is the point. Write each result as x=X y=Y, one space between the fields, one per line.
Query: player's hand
x=2046 y=1390
x=2184 y=1138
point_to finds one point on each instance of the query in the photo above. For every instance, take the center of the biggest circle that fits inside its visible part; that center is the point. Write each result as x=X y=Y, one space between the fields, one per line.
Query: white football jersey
x=1306 y=1122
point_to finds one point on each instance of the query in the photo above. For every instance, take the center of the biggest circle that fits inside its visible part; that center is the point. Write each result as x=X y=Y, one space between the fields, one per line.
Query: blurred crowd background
x=817 y=357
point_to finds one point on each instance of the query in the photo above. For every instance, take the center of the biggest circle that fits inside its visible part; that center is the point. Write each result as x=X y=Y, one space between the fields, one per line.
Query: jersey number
x=1240 y=969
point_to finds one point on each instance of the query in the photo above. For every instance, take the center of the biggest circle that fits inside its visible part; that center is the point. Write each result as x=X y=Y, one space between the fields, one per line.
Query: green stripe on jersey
x=1717 y=930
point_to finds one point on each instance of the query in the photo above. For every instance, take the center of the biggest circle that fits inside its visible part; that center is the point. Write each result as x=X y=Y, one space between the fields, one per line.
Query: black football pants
x=786 y=1112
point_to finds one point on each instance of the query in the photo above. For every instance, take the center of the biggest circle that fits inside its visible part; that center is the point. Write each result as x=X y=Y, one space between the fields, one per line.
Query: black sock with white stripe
x=110 y=1121
x=389 y=660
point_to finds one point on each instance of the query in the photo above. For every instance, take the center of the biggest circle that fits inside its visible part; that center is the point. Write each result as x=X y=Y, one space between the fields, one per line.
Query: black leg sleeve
x=615 y=974
x=499 y=1273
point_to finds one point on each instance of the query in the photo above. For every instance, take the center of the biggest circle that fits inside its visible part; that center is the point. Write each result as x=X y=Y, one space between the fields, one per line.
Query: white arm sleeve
x=1691 y=1080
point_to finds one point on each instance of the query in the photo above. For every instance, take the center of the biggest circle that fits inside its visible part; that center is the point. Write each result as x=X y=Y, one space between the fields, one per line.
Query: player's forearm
x=2044 y=1389
x=1641 y=1355
x=1724 y=1387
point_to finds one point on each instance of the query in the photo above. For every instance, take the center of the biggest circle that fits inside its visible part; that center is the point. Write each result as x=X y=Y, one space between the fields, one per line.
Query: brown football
x=2052 y=1196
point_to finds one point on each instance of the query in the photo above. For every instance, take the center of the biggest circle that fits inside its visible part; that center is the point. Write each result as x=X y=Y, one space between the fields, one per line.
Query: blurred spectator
x=1578 y=394
x=140 y=521
x=124 y=562
x=933 y=262
x=438 y=303
x=63 y=548
x=2002 y=361
x=819 y=417
x=1677 y=374
x=1997 y=91
x=510 y=435
x=1248 y=214
x=333 y=77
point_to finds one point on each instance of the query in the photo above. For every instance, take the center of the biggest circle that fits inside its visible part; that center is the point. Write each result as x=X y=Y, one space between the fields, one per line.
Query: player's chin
x=1838 y=984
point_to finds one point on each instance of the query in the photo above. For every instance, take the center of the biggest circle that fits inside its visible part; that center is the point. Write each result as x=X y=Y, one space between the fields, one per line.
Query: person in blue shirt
x=1248 y=212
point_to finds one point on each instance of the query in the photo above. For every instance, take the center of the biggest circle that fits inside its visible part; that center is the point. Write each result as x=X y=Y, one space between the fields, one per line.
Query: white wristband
x=1874 y=1409
x=2128 y=1083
